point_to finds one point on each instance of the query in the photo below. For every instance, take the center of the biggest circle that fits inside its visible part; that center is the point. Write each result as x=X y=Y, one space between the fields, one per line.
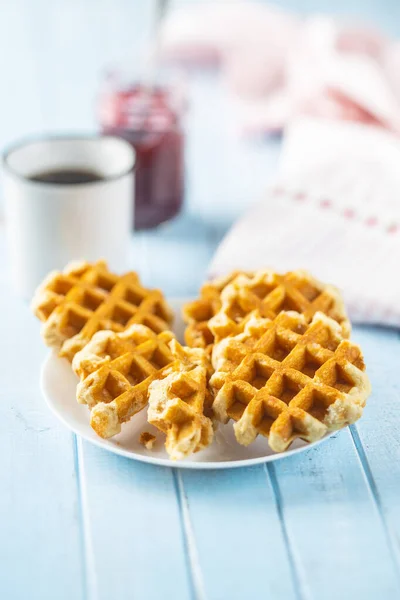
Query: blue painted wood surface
x=77 y=523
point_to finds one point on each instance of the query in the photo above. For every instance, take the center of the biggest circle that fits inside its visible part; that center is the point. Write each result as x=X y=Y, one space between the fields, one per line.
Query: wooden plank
x=334 y=529
x=41 y=553
x=377 y=437
x=132 y=526
x=235 y=536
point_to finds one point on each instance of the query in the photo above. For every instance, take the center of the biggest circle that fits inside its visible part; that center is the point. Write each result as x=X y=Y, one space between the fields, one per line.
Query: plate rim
x=165 y=462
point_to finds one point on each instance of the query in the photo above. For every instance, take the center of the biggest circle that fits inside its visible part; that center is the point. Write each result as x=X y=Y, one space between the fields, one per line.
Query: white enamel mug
x=49 y=224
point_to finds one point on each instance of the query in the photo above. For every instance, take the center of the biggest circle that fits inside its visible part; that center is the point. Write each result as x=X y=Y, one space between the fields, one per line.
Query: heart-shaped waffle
x=119 y=370
x=86 y=298
x=298 y=380
x=117 y=386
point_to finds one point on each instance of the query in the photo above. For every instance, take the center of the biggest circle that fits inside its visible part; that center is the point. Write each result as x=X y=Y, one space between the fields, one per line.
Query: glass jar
x=150 y=118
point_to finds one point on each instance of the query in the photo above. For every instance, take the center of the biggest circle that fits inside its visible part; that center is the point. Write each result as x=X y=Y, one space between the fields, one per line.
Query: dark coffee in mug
x=67 y=176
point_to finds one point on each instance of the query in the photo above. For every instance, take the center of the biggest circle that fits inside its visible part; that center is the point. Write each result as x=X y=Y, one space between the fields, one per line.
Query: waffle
x=105 y=346
x=117 y=388
x=266 y=293
x=197 y=313
x=179 y=403
x=86 y=298
x=147 y=440
x=298 y=380
x=226 y=353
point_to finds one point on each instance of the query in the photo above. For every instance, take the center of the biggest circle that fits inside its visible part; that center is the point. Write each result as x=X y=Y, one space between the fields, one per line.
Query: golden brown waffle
x=266 y=294
x=105 y=346
x=86 y=298
x=197 y=313
x=117 y=370
x=147 y=440
x=297 y=380
x=179 y=403
x=225 y=354
x=118 y=389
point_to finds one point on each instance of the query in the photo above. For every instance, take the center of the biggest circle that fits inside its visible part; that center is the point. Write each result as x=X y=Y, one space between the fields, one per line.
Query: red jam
x=147 y=119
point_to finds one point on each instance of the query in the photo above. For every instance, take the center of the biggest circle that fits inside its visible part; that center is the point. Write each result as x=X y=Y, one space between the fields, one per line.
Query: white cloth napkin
x=334 y=211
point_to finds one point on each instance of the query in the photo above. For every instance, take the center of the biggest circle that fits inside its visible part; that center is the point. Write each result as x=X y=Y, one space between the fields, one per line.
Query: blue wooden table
x=79 y=523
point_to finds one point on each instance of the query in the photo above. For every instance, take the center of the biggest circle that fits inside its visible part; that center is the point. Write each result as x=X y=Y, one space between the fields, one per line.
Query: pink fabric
x=282 y=66
x=334 y=211
x=336 y=207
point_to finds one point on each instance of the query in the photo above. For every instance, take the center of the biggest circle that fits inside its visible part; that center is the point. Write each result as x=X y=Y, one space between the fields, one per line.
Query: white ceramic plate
x=59 y=384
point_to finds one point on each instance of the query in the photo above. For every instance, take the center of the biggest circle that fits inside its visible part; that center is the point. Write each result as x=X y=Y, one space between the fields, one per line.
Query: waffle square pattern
x=226 y=304
x=86 y=298
x=266 y=293
x=198 y=313
x=270 y=352
x=289 y=379
x=117 y=370
x=180 y=404
x=121 y=372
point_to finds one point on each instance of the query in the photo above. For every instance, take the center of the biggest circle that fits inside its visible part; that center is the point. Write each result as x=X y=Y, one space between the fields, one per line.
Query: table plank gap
x=369 y=478
x=239 y=542
x=133 y=528
x=299 y=582
x=89 y=571
x=332 y=523
x=379 y=437
x=191 y=554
